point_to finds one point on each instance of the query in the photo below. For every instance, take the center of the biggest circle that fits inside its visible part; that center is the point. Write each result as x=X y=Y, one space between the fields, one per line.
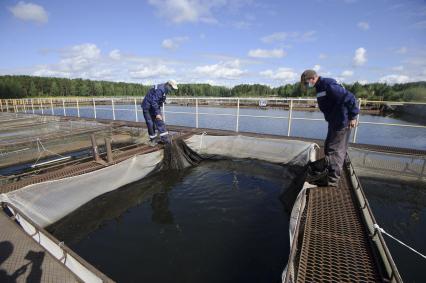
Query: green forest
x=29 y=86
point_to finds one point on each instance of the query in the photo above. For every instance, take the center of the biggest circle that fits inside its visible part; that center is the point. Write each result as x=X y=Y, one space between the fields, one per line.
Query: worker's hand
x=352 y=123
x=158 y=117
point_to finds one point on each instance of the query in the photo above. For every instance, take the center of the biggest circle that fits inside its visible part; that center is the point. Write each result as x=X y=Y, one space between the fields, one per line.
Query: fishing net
x=47 y=202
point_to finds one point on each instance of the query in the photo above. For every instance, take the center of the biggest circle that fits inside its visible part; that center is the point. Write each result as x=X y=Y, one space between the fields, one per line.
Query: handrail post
x=164 y=112
x=136 y=112
x=238 y=115
x=1 y=105
x=196 y=113
x=32 y=105
x=15 y=109
x=78 y=108
x=51 y=106
x=94 y=107
x=357 y=121
x=25 y=106
x=41 y=106
x=7 y=106
x=113 y=108
x=290 y=113
x=63 y=106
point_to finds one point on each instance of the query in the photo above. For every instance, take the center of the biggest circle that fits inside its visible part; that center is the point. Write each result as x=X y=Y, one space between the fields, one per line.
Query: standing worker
x=151 y=106
x=340 y=111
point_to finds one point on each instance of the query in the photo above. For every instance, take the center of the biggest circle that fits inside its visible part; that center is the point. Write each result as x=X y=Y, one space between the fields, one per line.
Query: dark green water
x=400 y=209
x=221 y=221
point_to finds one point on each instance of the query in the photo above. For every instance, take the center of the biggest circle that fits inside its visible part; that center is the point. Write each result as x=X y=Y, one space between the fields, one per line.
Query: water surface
x=221 y=221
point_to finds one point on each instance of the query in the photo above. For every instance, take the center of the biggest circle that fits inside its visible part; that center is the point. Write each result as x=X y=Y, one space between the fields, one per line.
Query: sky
x=221 y=42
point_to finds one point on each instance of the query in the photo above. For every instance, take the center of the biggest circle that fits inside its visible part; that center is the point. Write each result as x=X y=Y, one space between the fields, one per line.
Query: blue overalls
x=151 y=105
x=339 y=107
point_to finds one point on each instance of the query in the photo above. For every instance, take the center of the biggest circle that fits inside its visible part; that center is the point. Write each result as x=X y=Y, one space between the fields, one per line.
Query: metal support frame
x=164 y=112
x=238 y=116
x=136 y=112
x=113 y=109
x=78 y=109
x=290 y=113
x=51 y=106
x=196 y=113
x=63 y=106
x=94 y=108
x=357 y=121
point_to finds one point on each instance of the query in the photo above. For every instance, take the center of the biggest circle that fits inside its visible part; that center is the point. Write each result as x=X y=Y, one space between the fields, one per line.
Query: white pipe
x=78 y=108
x=63 y=106
x=196 y=113
x=238 y=115
x=113 y=109
x=94 y=108
x=136 y=111
x=290 y=112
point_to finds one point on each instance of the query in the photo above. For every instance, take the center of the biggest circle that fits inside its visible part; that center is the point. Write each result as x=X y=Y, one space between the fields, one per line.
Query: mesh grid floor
x=335 y=246
x=23 y=260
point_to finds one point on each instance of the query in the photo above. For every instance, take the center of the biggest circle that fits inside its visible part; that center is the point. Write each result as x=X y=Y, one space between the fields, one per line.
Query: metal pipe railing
x=291 y=102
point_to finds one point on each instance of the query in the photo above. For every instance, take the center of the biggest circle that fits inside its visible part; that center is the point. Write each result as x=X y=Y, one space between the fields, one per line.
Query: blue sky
x=222 y=42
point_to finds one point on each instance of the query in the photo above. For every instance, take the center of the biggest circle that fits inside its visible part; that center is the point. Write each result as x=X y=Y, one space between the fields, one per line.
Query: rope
x=376 y=226
x=39 y=144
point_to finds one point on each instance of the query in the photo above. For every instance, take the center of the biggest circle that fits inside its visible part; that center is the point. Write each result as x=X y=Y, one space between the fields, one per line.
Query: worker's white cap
x=173 y=83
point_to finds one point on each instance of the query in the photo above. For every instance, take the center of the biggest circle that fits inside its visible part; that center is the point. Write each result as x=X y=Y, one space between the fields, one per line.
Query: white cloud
x=402 y=50
x=347 y=73
x=394 y=79
x=364 y=25
x=180 y=11
x=275 y=37
x=79 y=57
x=173 y=43
x=290 y=36
x=242 y=24
x=285 y=75
x=144 y=72
x=316 y=68
x=398 y=68
x=360 y=57
x=322 y=56
x=222 y=70
x=264 y=53
x=308 y=36
x=115 y=54
x=29 y=12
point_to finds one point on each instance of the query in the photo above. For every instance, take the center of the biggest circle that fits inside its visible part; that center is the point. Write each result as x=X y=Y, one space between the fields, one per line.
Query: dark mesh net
x=177 y=156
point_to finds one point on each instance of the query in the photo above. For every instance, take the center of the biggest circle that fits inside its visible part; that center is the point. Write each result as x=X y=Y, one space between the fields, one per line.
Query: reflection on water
x=221 y=221
x=400 y=208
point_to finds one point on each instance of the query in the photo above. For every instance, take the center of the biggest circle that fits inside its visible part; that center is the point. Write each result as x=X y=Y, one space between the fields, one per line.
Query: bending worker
x=151 y=106
x=340 y=111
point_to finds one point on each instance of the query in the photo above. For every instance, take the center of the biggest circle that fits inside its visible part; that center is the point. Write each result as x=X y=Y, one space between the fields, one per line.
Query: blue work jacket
x=155 y=98
x=338 y=104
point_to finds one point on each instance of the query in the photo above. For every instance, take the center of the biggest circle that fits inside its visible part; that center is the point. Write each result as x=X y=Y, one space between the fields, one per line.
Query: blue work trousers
x=154 y=124
x=335 y=149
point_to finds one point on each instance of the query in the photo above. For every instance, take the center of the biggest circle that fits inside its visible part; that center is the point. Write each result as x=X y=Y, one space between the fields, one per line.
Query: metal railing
x=72 y=106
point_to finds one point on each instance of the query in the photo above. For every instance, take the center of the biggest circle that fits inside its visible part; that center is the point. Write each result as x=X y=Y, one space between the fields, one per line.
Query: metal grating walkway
x=335 y=245
x=23 y=260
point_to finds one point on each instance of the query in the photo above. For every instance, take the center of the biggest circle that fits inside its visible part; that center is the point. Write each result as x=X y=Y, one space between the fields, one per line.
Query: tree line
x=29 y=86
